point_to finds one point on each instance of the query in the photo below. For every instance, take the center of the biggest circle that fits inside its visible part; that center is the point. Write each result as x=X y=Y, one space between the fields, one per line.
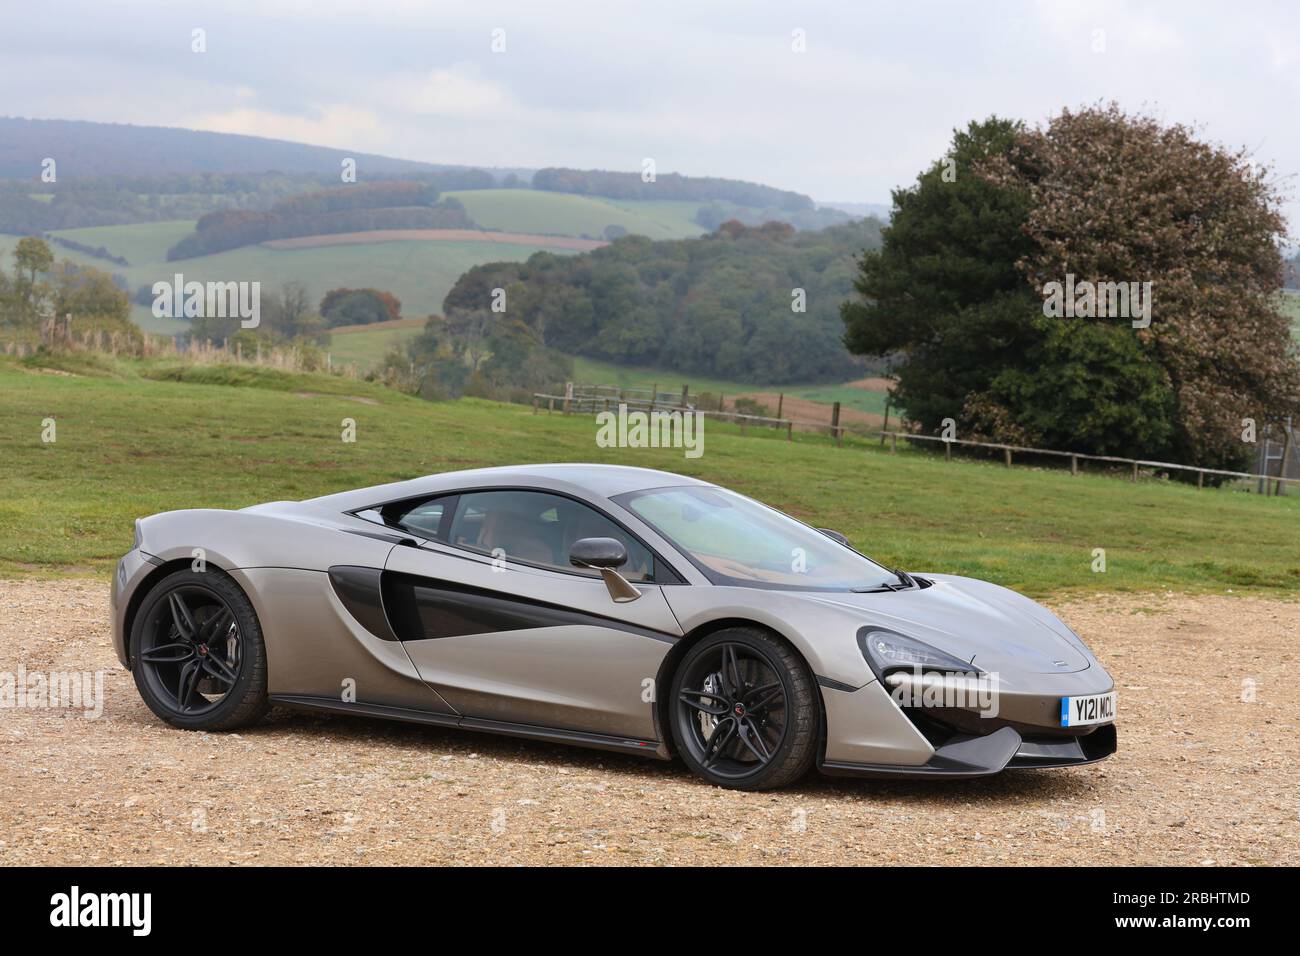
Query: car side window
x=423 y=519
x=539 y=528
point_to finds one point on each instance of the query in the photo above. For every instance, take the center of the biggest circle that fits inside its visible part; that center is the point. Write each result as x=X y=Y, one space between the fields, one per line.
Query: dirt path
x=1201 y=775
x=806 y=410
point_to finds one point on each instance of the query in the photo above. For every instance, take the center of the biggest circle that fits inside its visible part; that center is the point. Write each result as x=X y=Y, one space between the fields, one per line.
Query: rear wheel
x=744 y=710
x=197 y=653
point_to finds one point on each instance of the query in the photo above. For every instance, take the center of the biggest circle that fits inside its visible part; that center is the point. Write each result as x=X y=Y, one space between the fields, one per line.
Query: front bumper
x=964 y=756
x=870 y=732
x=131 y=570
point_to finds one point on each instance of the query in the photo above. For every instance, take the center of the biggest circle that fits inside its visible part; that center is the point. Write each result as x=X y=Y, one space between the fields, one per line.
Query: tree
x=469 y=332
x=32 y=259
x=1118 y=197
x=957 y=292
x=342 y=307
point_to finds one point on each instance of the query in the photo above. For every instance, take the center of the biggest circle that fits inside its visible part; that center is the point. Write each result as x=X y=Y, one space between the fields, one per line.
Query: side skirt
x=645 y=748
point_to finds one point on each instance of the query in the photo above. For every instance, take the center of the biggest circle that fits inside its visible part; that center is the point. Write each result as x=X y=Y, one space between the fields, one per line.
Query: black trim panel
x=422 y=609
x=646 y=748
x=837 y=685
x=359 y=590
x=962 y=758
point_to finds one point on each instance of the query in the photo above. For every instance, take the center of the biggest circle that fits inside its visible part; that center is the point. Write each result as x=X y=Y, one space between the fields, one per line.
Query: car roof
x=587 y=480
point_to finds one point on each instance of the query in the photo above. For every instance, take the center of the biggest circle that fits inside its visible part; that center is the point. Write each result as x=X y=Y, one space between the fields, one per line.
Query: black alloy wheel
x=744 y=710
x=197 y=652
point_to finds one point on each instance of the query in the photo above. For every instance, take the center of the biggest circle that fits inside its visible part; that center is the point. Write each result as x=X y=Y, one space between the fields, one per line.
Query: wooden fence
x=585 y=402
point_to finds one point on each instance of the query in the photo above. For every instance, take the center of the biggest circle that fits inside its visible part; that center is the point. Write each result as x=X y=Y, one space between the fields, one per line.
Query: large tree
x=957 y=292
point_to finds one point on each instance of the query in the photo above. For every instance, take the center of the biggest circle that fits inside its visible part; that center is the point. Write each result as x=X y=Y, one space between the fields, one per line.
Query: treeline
x=32 y=207
x=752 y=304
x=613 y=185
x=353 y=208
x=95 y=252
x=713 y=214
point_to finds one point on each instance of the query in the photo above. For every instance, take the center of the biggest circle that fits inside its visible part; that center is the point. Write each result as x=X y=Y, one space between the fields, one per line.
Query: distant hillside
x=617 y=185
x=84 y=149
x=880 y=210
x=360 y=207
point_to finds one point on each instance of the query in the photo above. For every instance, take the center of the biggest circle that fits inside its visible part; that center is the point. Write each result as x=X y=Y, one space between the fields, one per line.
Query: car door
x=499 y=624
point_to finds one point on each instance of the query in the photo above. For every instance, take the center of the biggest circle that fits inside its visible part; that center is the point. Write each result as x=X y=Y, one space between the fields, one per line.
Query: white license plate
x=1094 y=709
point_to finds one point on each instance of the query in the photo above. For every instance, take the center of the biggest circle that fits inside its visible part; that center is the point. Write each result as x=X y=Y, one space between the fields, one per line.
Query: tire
x=200 y=665
x=744 y=710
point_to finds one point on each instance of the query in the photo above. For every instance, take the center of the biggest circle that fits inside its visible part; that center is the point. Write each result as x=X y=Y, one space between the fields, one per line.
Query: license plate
x=1094 y=709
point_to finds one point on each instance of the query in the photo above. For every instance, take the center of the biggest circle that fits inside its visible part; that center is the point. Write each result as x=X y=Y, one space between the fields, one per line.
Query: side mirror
x=604 y=555
x=836 y=536
x=598 y=553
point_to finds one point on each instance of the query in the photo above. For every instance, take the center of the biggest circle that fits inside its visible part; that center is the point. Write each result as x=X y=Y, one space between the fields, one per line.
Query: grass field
x=419 y=273
x=129 y=446
x=366 y=347
x=562 y=214
x=1291 y=308
x=594 y=372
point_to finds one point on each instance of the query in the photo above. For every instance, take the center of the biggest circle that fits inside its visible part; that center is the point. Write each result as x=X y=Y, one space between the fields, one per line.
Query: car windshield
x=736 y=541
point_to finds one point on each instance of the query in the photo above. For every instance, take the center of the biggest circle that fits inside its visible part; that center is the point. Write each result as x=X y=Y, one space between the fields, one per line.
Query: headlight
x=887 y=650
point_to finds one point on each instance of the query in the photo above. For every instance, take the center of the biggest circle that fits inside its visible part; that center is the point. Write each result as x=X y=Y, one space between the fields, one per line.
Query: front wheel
x=197 y=652
x=744 y=710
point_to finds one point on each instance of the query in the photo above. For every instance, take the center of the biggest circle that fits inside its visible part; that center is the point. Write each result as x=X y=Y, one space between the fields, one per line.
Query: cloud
x=706 y=89
x=342 y=127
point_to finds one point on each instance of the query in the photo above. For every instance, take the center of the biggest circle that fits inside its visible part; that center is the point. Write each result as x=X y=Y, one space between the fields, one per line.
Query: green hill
x=420 y=273
x=68 y=506
x=564 y=214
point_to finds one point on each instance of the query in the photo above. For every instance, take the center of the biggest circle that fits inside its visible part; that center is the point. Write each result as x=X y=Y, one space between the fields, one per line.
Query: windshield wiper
x=905 y=581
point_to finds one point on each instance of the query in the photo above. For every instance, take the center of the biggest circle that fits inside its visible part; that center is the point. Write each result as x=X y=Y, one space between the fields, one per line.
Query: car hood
x=989 y=626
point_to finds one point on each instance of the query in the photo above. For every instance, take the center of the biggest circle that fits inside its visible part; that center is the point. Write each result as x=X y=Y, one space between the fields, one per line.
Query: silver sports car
x=622 y=608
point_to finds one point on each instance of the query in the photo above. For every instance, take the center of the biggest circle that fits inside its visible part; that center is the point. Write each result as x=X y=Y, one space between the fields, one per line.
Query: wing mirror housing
x=605 y=555
x=836 y=536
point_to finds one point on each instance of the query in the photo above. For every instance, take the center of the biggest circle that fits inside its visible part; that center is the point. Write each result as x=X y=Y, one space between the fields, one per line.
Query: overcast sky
x=705 y=87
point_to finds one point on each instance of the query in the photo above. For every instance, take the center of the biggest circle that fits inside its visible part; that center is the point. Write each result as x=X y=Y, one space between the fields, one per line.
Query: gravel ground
x=1206 y=772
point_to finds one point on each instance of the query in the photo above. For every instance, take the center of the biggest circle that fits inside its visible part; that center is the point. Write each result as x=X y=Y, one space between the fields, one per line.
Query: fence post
x=893 y=442
x=686 y=393
x=535 y=400
x=1200 y=478
x=835 y=422
x=780 y=404
x=1135 y=471
x=1007 y=455
x=789 y=431
x=1074 y=465
x=1281 y=462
